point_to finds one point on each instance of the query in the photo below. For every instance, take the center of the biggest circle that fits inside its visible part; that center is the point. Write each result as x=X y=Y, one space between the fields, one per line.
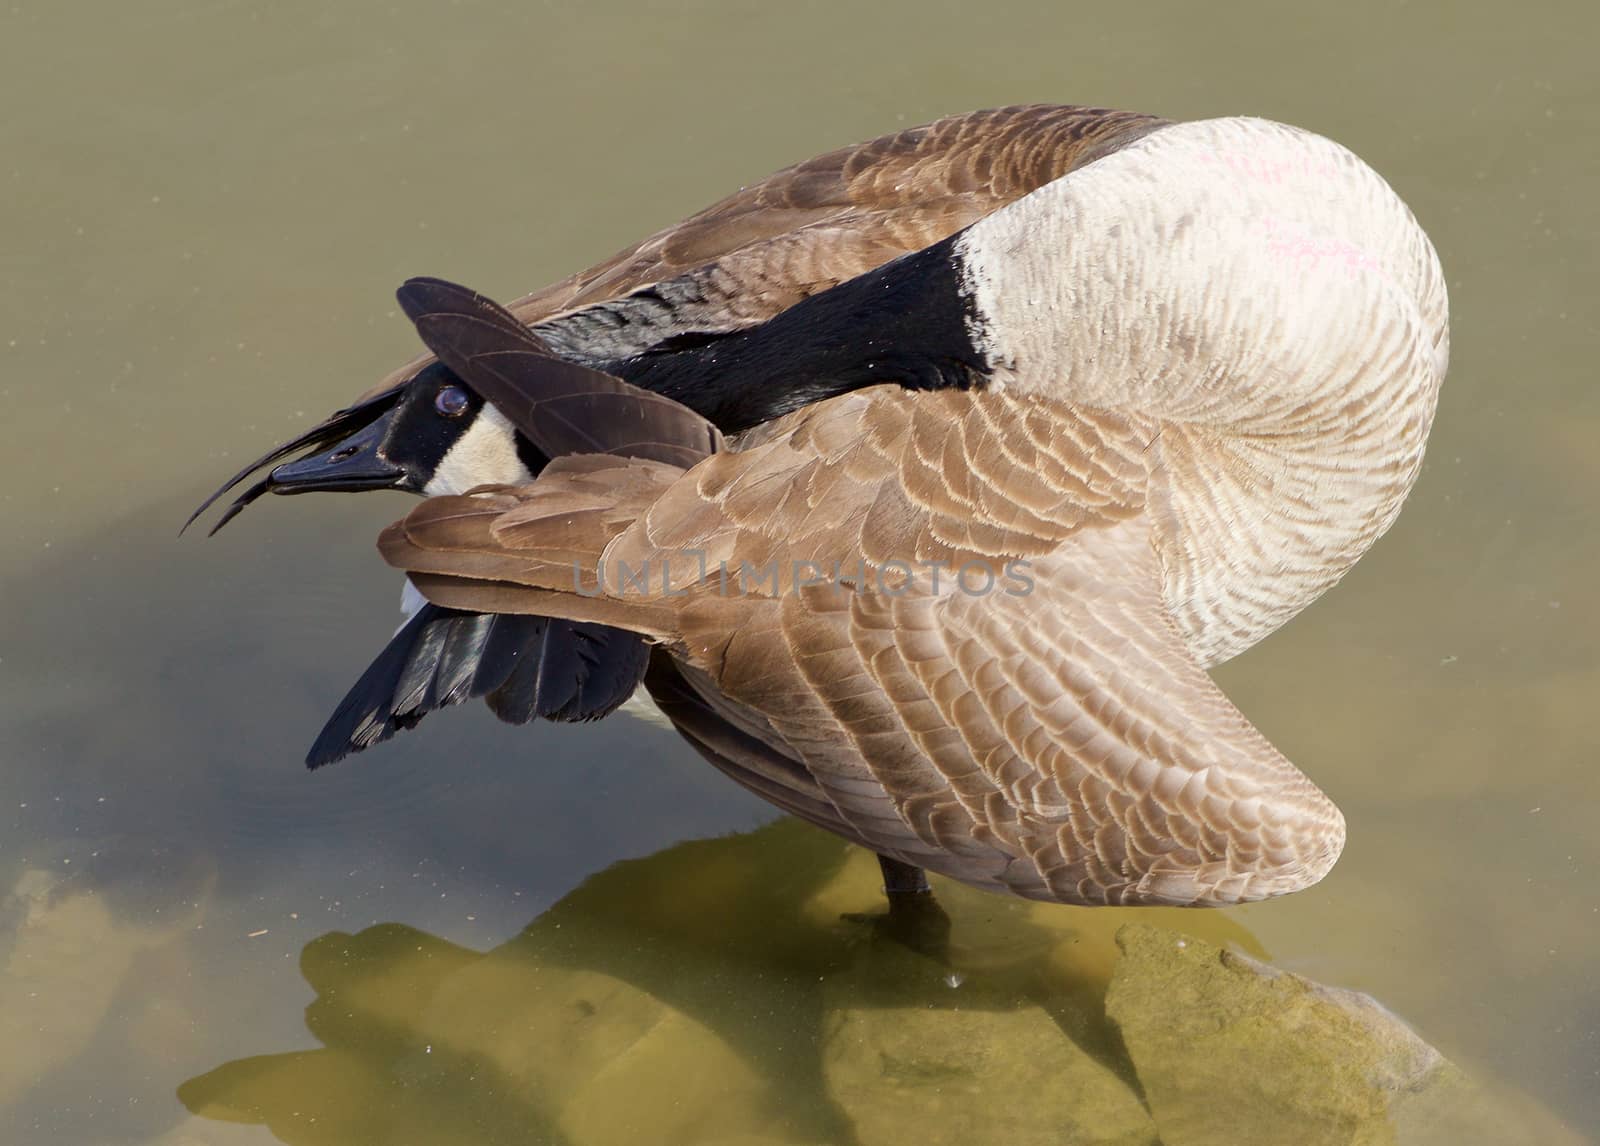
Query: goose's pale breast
x=1273 y=306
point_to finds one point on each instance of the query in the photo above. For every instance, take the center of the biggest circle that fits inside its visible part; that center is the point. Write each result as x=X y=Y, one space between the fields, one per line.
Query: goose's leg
x=915 y=918
x=901 y=879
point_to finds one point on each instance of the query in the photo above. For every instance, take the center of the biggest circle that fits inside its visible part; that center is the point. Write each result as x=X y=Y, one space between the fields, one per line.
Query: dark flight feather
x=524 y=667
x=562 y=407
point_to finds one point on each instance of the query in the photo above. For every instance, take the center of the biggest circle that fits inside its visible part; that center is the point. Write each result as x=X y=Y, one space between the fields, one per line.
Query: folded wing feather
x=1051 y=735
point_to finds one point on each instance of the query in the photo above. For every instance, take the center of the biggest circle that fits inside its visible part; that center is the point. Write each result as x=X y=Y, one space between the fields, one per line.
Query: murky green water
x=203 y=210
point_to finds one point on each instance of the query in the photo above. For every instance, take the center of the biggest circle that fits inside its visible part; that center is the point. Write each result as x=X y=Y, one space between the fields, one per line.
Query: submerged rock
x=612 y=1062
x=1232 y=1052
x=72 y=933
x=913 y=1053
x=748 y=991
x=427 y=1042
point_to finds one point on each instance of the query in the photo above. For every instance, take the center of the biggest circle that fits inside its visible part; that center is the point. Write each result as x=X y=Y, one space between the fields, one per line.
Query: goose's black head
x=436 y=434
x=430 y=435
x=439 y=437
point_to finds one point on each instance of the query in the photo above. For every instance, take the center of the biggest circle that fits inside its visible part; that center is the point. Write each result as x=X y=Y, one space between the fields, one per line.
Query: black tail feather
x=524 y=667
x=503 y=660
x=458 y=662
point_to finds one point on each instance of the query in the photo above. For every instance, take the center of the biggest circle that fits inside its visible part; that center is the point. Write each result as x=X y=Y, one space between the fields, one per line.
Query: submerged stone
x=612 y=1062
x=72 y=934
x=912 y=1053
x=749 y=991
x=1232 y=1052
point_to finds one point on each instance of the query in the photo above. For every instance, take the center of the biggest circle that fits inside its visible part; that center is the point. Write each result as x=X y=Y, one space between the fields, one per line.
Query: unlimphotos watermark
x=689 y=569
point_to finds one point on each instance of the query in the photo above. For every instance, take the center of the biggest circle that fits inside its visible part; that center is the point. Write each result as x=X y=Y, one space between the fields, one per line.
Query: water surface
x=205 y=209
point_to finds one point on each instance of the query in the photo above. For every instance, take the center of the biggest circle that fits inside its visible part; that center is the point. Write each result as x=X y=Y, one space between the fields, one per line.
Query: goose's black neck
x=909 y=322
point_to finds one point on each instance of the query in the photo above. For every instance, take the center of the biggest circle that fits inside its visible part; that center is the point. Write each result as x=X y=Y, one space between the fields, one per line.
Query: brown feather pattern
x=811 y=226
x=1060 y=744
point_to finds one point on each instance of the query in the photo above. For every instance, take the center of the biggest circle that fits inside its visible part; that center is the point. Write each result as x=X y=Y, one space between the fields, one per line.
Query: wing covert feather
x=813 y=225
x=1055 y=739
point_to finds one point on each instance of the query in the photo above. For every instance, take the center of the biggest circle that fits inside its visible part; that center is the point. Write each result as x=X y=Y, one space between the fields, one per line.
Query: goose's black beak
x=341 y=467
x=355 y=463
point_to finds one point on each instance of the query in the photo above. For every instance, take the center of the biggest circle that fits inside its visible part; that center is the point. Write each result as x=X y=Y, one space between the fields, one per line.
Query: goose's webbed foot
x=915 y=918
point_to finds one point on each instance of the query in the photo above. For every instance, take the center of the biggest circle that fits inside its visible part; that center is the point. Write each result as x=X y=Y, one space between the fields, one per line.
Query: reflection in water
x=741 y=990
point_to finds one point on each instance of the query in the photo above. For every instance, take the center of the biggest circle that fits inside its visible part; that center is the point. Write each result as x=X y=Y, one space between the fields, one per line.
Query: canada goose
x=1160 y=384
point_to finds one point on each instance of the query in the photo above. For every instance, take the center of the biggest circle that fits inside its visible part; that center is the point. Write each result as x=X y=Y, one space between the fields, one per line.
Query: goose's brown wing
x=858 y=206
x=839 y=215
x=1048 y=733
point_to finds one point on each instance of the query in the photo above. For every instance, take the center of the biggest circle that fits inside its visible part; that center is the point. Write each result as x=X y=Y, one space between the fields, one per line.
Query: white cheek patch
x=486 y=454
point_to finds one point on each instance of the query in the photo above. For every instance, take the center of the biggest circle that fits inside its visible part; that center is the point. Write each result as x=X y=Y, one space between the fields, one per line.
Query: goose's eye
x=451 y=401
